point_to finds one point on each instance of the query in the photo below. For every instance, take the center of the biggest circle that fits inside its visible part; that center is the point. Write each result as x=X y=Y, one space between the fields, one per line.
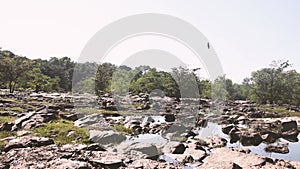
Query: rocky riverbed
x=137 y=131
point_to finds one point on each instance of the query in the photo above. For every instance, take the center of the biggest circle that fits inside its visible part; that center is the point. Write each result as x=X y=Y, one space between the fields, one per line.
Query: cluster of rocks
x=117 y=149
x=38 y=152
x=32 y=119
x=139 y=102
x=244 y=122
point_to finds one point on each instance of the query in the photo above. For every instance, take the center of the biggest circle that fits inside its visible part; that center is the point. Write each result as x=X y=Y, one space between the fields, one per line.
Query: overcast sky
x=247 y=35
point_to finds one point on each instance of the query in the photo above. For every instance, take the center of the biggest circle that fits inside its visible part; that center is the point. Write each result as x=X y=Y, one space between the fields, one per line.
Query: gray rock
x=281 y=148
x=94 y=147
x=67 y=163
x=170 y=117
x=289 y=125
x=19 y=121
x=106 y=137
x=93 y=120
x=215 y=141
x=24 y=142
x=7 y=126
x=227 y=128
x=250 y=139
x=179 y=149
x=71 y=117
x=270 y=137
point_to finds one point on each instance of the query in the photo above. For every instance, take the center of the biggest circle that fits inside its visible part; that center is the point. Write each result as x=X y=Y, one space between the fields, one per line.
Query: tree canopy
x=278 y=84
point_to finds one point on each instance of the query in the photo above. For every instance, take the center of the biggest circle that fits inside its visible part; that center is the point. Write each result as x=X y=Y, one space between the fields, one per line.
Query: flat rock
x=24 y=142
x=93 y=120
x=106 y=137
x=139 y=150
x=227 y=155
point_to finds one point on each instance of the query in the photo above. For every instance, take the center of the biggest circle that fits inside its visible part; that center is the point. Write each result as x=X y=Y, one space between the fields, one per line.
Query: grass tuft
x=63 y=132
x=122 y=129
x=4 y=134
x=4 y=119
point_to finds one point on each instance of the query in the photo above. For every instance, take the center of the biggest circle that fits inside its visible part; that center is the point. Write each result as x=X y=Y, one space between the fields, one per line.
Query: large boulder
x=226 y=129
x=234 y=134
x=291 y=135
x=170 y=117
x=250 y=139
x=289 y=125
x=106 y=137
x=139 y=150
x=270 y=137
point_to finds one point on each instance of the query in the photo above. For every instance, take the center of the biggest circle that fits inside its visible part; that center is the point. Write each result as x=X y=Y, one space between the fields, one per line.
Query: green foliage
x=104 y=77
x=275 y=85
x=121 y=80
x=122 y=129
x=151 y=79
x=63 y=132
x=219 y=89
x=4 y=134
x=17 y=109
x=279 y=109
x=12 y=69
x=187 y=82
x=85 y=86
x=205 y=88
x=40 y=82
x=4 y=119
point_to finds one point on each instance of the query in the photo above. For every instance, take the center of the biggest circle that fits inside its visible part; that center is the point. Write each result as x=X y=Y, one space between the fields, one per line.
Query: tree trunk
x=10 y=87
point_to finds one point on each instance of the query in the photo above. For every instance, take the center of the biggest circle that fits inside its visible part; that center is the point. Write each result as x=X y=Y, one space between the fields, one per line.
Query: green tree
x=187 y=82
x=269 y=84
x=219 y=91
x=12 y=69
x=40 y=82
x=104 y=77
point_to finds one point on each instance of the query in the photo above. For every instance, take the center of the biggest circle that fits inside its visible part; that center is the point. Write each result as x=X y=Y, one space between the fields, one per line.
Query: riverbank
x=58 y=131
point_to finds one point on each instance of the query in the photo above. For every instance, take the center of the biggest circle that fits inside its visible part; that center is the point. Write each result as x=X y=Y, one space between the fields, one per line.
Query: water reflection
x=294 y=147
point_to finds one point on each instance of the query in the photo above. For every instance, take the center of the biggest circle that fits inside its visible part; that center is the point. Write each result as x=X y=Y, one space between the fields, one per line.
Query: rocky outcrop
x=25 y=142
x=35 y=119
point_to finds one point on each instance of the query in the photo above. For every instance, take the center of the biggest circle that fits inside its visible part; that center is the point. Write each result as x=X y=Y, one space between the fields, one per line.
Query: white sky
x=247 y=35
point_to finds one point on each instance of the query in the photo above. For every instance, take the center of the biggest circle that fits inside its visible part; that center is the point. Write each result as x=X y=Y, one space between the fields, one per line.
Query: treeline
x=275 y=84
x=17 y=72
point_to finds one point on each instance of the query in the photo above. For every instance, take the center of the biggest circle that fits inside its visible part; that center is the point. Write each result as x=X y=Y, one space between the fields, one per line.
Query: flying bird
x=196 y=69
